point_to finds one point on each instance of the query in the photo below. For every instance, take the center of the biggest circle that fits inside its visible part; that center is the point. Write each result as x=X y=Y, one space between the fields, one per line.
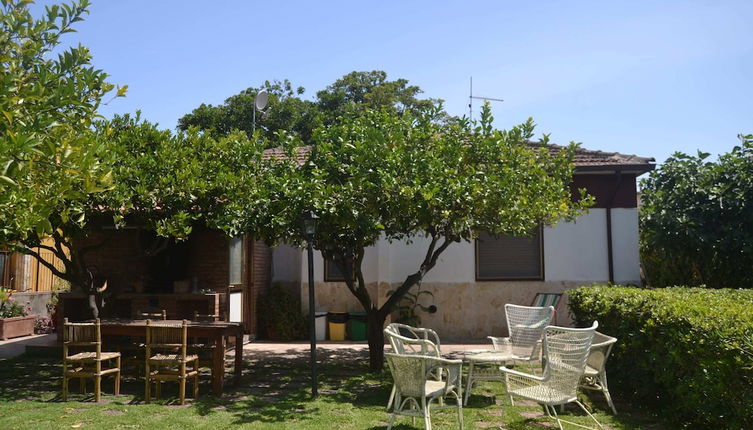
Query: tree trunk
x=375 y=321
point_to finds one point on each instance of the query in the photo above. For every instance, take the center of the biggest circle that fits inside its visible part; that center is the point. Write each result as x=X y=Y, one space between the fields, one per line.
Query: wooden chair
x=169 y=365
x=87 y=364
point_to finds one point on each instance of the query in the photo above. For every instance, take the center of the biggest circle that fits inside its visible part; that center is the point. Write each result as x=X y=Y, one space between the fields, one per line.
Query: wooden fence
x=40 y=277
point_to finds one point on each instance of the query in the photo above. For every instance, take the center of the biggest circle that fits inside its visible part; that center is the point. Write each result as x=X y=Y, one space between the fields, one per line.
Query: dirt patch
x=113 y=412
x=532 y=415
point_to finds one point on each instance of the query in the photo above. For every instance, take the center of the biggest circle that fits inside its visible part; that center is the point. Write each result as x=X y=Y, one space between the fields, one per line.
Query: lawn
x=273 y=394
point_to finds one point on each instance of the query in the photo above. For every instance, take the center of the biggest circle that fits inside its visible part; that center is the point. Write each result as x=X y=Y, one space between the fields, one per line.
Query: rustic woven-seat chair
x=526 y=325
x=409 y=340
x=565 y=354
x=595 y=377
x=87 y=364
x=416 y=389
x=172 y=363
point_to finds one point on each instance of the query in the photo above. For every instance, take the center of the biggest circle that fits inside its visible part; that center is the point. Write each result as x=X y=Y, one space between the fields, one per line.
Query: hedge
x=688 y=352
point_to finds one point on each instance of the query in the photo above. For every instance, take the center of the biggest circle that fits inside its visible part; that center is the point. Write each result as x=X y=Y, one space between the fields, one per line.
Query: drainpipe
x=610 y=203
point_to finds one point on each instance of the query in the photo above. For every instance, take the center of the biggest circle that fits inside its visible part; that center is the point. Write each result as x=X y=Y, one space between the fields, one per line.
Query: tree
x=51 y=161
x=370 y=90
x=379 y=174
x=696 y=217
x=285 y=111
x=298 y=117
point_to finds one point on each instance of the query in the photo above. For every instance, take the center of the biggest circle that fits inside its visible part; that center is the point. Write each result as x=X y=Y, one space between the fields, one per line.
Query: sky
x=637 y=77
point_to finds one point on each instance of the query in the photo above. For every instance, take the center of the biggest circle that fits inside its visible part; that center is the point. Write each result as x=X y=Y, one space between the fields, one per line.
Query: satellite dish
x=261 y=99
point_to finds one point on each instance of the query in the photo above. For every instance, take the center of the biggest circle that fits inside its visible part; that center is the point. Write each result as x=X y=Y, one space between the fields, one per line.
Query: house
x=472 y=281
x=209 y=273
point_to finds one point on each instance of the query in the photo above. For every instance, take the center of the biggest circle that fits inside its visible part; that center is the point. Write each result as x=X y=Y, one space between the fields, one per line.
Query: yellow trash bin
x=336 y=322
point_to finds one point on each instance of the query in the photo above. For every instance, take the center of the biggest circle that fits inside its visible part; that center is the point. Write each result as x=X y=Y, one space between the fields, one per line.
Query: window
x=509 y=257
x=236 y=260
x=332 y=273
x=5 y=268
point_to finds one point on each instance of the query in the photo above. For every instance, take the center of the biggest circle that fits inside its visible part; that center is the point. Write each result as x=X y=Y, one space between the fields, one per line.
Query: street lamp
x=309 y=230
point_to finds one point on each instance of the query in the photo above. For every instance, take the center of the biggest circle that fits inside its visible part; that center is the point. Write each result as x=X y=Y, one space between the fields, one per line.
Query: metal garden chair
x=595 y=377
x=409 y=340
x=565 y=353
x=416 y=389
x=526 y=325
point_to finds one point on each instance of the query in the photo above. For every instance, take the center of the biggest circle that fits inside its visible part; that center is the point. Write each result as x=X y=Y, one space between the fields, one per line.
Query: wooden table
x=215 y=331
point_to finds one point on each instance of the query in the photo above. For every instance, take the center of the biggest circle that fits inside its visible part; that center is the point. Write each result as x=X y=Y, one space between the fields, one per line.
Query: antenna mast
x=471 y=97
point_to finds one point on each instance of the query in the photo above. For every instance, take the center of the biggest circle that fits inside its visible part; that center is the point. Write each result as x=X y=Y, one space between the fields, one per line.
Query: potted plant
x=14 y=317
x=409 y=307
x=280 y=316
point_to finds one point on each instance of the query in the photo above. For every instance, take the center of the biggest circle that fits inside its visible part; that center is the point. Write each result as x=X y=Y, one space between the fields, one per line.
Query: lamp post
x=309 y=230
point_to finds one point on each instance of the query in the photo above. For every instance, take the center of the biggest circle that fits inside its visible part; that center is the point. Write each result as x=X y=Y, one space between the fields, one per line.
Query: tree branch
x=50 y=266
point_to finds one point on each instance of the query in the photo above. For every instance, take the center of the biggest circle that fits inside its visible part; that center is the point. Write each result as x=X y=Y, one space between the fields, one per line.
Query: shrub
x=685 y=351
x=695 y=220
x=280 y=314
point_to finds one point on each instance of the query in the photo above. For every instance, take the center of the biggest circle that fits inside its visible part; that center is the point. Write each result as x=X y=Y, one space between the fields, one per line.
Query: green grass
x=274 y=393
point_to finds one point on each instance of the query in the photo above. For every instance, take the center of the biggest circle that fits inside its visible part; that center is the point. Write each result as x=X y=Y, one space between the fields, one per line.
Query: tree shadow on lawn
x=275 y=388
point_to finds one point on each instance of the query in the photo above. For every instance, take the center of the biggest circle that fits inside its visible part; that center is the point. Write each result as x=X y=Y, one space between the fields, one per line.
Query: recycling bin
x=320 y=319
x=357 y=326
x=337 y=321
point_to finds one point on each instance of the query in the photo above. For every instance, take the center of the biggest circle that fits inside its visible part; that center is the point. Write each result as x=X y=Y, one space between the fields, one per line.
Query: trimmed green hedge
x=688 y=352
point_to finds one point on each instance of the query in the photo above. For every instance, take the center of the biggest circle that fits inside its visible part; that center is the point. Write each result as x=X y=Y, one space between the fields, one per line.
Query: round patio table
x=483 y=365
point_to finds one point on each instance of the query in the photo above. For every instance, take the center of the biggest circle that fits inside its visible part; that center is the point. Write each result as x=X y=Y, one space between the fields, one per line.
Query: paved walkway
x=327 y=349
x=13 y=347
x=260 y=349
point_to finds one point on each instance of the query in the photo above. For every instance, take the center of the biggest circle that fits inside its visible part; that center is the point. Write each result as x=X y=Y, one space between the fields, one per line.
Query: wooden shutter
x=332 y=273
x=509 y=257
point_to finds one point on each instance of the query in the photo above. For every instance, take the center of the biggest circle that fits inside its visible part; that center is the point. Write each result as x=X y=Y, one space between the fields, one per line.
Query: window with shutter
x=509 y=257
x=332 y=273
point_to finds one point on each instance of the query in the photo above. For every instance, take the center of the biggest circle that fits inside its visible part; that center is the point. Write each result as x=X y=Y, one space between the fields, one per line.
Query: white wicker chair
x=420 y=341
x=595 y=377
x=565 y=354
x=526 y=325
x=416 y=389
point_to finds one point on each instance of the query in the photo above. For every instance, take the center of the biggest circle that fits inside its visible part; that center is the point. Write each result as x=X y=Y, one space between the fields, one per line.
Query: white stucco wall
x=575 y=254
x=625 y=246
x=577 y=251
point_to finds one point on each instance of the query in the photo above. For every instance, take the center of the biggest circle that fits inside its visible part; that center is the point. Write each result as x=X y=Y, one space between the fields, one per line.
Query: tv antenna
x=471 y=97
x=260 y=102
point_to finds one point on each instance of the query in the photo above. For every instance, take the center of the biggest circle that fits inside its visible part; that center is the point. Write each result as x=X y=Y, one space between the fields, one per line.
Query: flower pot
x=16 y=326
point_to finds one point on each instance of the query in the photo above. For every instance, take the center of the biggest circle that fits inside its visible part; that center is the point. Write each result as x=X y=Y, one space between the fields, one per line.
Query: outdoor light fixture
x=309 y=224
x=309 y=230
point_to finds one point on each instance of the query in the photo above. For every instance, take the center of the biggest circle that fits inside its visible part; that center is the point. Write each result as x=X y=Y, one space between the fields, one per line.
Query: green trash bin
x=357 y=326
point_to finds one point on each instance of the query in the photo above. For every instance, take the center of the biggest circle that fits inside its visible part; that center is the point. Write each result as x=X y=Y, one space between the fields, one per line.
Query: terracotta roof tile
x=585 y=159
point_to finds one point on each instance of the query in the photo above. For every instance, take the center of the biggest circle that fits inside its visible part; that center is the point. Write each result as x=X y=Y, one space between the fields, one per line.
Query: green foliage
x=280 y=313
x=380 y=174
x=285 y=111
x=686 y=351
x=9 y=307
x=409 y=307
x=50 y=161
x=370 y=90
x=168 y=182
x=696 y=218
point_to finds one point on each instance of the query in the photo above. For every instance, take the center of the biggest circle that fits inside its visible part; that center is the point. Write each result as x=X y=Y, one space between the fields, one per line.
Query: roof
x=591 y=160
x=278 y=153
x=585 y=160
